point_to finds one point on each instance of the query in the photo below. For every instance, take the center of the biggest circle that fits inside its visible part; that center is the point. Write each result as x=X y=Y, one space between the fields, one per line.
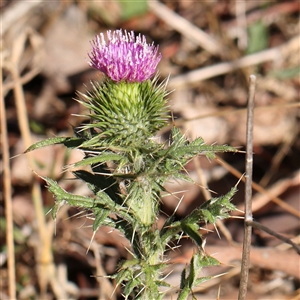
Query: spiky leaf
x=69 y=142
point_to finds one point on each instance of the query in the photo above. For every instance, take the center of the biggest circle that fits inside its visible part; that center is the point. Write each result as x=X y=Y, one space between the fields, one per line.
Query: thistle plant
x=126 y=166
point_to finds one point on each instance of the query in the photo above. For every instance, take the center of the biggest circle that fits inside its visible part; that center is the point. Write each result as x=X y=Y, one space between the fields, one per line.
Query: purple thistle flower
x=124 y=56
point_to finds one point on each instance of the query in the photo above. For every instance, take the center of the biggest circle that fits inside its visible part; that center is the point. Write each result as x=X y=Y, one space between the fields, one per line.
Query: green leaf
x=184 y=293
x=193 y=272
x=207 y=261
x=285 y=74
x=100 y=158
x=191 y=229
x=62 y=195
x=122 y=275
x=178 y=138
x=36 y=127
x=183 y=279
x=166 y=227
x=129 y=264
x=258 y=37
x=190 y=281
x=97 y=184
x=100 y=217
x=18 y=235
x=200 y=280
x=131 y=285
x=132 y=8
x=217 y=208
x=181 y=150
x=69 y=142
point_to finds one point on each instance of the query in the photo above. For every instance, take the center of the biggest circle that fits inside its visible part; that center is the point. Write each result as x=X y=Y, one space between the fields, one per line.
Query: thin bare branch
x=272 y=54
x=241 y=20
x=8 y=199
x=186 y=28
x=275 y=234
x=248 y=192
x=17 y=12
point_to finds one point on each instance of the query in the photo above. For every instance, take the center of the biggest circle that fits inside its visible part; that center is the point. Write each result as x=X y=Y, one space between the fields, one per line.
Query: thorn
x=132 y=236
x=219 y=275
x=180 y=237
x=177 y=206
x=237 y=217
x=203 y=244
x=173 y=248
x=114 y=290
x=216 y=228
x=129 y=251
x=166 y=193
x=206 y=229
x=79 y=213
x=243 y=175
x=241 y=211
x=140 y=290
x=49 y=211
x=167 y=275
x=90 y=242
x=219 y=292
x=18 y=155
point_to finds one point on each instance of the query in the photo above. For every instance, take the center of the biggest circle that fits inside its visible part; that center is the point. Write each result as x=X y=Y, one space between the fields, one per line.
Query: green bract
x=125 y=113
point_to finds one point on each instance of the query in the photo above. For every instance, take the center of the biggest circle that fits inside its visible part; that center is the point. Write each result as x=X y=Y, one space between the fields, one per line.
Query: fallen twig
x=187 y=29
x=271 y=232
x=8 y=199
x=275 y=53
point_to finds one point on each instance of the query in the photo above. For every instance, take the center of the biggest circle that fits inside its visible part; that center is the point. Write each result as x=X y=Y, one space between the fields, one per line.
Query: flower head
x=124 y=57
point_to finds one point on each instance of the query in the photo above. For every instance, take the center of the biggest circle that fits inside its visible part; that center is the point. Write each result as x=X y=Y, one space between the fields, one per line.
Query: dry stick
x=24 y=79
x=181 y=121
x=45 y=254
x=248 y=192
x=279 y=156
x=45 y=266
x=45 y=230
x=276 y=53
x=273 y=233
x=36 y=192
x=16 y=12
x=106 y=288
x=241 y=20
x=25 y=133
x=184 y=80
x=7 y=199
x=187 y=29
x=284 y=246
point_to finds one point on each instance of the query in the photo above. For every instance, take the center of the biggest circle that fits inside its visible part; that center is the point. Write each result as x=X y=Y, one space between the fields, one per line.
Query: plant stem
x=273 y=233
x=248 y=193
x=8 y=199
